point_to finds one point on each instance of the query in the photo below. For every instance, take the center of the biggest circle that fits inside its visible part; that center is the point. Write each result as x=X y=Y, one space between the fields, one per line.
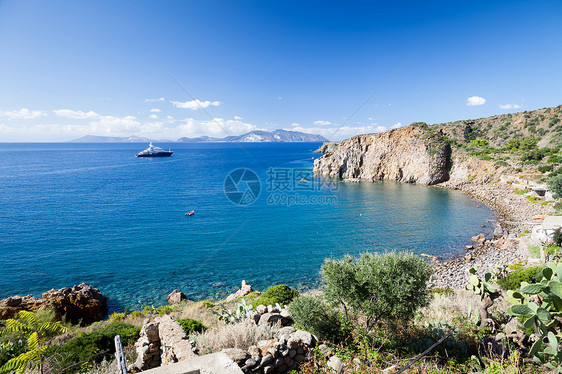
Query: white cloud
x=396 y=125
x=75 y=114
x=154 y=100
x=510 y=106
x=153 y=116
x=102 y=123
x=155 y=110
x=475 y=100
x=195 y=104
x=335 y=133
x=238 y=118
x=22 y=113
x=218 y=127
x=322 y=123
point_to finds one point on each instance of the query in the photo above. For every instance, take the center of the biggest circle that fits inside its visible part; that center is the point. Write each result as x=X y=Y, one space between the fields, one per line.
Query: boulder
x=269 y=319
x=79 y=304
x=336 y=364
x=254 y=351
x=243 y=291
x=304 y=337
x=176 y=297
x=237 y=355
x=480 y=239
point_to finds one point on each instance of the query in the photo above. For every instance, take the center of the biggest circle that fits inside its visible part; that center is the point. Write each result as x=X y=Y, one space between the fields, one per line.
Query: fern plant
x=35 y=332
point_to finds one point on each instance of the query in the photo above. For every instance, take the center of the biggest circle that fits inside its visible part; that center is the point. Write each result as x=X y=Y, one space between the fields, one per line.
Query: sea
x=94 y=213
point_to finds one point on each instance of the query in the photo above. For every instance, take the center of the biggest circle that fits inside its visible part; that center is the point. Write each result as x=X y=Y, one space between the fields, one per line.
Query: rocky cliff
x=412 y=154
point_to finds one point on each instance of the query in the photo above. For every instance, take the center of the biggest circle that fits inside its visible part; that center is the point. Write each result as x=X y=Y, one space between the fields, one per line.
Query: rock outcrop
x=327 y=147
x=413 y=154
x=243 y=291
x=176 y=297
x=79 y=304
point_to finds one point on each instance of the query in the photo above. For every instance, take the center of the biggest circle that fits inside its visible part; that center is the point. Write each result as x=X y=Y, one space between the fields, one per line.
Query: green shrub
x=532 y=155
x=554 y=159
x=478 y=143
x=117 y=316
x=86 y=345
x=544 y=169
x=555 y=185
x=552 y=249
x=280 y=294
x=512 y=281
x=191 y=325
x=381 y=287
x=314 y=315
x=528 y=142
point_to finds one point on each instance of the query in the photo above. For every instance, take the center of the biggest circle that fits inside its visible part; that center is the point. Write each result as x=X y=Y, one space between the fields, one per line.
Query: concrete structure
x=543 y=232
x=214 y=363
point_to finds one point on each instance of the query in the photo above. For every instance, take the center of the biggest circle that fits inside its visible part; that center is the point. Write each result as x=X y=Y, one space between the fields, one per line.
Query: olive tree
x=379 y=287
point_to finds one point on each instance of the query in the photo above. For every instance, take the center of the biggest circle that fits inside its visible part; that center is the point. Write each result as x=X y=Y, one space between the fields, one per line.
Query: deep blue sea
x=94 y=213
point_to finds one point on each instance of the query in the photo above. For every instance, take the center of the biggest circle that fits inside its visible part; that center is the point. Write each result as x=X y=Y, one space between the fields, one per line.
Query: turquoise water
x=94 y=213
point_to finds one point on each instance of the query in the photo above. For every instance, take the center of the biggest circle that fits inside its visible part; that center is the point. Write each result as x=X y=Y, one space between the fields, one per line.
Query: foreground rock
x=285 y=353
x=412 y=154
x=79 y=304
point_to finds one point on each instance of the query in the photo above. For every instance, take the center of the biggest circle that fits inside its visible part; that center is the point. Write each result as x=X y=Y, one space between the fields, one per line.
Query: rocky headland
x=412 y=154
x=420 y=154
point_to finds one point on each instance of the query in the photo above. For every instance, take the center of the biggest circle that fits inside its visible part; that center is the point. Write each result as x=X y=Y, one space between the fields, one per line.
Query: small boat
x=190 y=213
x=153 y=151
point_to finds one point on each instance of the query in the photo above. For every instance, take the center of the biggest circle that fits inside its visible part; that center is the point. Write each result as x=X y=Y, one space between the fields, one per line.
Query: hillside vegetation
x=545 y=125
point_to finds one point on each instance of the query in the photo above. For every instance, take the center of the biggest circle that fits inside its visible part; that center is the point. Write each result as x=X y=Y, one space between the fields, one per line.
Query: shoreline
x=514 y=214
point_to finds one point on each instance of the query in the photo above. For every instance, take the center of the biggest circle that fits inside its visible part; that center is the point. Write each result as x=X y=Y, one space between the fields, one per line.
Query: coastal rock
x=243 y=291
x=411 y=154
x=480 y=239
x=176 y=297
x=327 y=147
x=79 y=304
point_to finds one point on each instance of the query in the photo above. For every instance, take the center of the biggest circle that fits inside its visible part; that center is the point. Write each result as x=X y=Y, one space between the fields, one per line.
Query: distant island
x=276 y=136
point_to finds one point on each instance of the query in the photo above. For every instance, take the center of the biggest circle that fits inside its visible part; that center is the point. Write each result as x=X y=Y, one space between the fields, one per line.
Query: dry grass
x=201 y=313
x=241 y=335
x=446 y=308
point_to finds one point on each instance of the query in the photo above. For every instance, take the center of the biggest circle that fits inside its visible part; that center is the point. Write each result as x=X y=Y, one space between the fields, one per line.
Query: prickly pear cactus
x=487 y=292
x=539 y=305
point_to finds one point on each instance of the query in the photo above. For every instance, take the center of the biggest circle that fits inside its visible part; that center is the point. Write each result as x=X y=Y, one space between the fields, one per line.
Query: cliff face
x=412 y=154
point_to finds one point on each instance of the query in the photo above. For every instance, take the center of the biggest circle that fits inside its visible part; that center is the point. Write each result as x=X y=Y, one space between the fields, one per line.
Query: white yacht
x=153 y=151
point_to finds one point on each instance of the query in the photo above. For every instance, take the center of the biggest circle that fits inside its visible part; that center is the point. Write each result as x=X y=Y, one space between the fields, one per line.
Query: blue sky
x=71 y=68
